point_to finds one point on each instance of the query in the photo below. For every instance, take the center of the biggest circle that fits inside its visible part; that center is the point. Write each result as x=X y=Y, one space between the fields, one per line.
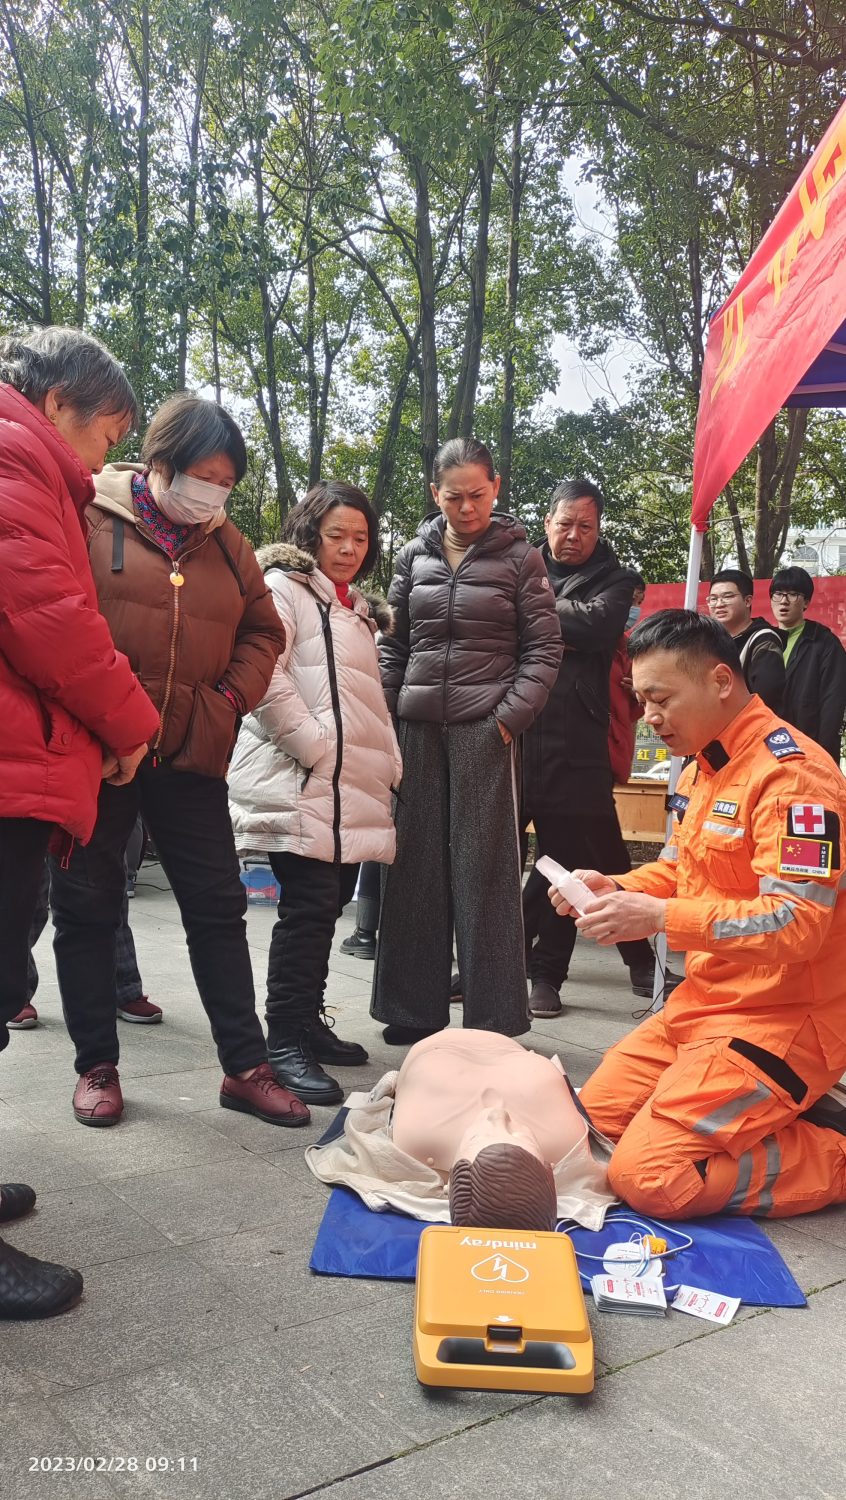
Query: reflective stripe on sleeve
x=670 y=852
x=727 y=831
x=765 y=1197
x=725 y=1113
x=741 y=1187
x=760 y=922
x=810 y=890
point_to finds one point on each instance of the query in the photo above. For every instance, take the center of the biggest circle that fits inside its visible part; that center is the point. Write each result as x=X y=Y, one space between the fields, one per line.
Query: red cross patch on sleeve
x=808 y=818
x=810 y=827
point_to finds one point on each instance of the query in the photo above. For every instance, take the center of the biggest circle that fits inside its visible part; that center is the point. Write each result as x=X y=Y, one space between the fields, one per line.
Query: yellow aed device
x=502 y=1310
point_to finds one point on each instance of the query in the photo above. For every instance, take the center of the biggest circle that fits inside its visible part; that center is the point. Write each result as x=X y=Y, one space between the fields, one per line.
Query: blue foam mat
x=732 y=1256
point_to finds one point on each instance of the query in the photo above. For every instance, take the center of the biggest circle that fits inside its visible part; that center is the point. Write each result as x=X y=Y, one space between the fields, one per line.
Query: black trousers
x=579 y=842
x=314 y=893
x=369 y=897
x=188 y=819
x=23 y=850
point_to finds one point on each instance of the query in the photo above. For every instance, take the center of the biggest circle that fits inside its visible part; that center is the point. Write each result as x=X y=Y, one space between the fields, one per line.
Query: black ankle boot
x=326 y=1047
x=296 y=1068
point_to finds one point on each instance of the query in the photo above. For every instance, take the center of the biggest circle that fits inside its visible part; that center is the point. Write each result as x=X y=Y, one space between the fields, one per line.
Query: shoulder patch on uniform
x=804 y=856
x=725 y=809
x=677 y=804
x=781 y=743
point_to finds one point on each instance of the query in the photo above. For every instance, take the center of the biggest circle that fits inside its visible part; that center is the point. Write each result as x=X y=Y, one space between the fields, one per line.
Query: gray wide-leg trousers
x=457 y=868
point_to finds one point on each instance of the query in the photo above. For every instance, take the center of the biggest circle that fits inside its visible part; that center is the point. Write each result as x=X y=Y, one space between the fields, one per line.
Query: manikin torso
x=461 y=1081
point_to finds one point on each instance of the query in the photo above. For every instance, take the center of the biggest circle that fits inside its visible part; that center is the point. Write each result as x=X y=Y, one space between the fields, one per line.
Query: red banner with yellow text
x=783 y=311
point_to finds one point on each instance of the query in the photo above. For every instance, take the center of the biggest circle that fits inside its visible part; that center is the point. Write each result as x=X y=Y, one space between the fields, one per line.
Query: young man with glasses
x=758 y=644
x=815 y=662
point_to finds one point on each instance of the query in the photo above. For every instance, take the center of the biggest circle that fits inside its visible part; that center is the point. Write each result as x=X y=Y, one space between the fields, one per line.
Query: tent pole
x=691 y=590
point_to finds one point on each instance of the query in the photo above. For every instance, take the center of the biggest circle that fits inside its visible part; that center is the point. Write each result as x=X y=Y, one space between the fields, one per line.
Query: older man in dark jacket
x=567 y=780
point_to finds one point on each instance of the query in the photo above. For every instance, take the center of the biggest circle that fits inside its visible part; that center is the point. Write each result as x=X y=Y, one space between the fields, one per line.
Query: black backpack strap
x=118 y=528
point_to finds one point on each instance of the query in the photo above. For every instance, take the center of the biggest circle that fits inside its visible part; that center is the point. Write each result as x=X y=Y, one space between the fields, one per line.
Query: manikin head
x=687 y=674
x=499 y=1177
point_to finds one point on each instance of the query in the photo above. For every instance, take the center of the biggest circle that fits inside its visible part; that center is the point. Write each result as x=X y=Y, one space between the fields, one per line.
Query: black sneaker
x=456 y=989
x=326 y=1047
x=359 y=944
x=295 y=1067
x=544 y=1001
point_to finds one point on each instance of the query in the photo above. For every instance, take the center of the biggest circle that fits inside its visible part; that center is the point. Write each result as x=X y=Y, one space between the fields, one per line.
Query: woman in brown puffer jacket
x=187 y=603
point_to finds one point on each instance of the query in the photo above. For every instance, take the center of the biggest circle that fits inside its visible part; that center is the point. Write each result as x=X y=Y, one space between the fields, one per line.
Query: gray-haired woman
x=71 y=710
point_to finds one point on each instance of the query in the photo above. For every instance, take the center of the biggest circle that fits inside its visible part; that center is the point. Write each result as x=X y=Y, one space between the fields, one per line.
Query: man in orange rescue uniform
x=708 y=1099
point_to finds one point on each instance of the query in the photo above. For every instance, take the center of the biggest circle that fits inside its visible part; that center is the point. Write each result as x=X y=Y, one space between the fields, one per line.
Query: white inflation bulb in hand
x=574 y=891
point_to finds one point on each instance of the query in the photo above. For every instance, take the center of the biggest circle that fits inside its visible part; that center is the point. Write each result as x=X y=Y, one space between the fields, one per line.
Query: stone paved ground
x=203 y=1335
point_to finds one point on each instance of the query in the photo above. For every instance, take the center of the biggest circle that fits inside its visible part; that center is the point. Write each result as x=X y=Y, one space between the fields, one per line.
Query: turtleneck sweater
x=455 y=546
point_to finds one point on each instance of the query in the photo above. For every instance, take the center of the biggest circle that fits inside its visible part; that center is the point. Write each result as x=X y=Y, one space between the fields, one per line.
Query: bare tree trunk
x=269 y=408
x=739 y=538
x=215 y=343
x=387 y=451
x=138 y=363
x=428 y=347
x=506 y=426
x=464 y=398
x=40 y=194
x=191 y=210
x=775 y=475
x=315 y=446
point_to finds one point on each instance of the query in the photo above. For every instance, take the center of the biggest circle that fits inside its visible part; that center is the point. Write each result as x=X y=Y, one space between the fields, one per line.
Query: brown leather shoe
x=261 y=1095
x=97 y=1099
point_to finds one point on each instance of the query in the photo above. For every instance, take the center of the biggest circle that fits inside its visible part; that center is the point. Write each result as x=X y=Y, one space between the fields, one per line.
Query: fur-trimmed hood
x=292 y=559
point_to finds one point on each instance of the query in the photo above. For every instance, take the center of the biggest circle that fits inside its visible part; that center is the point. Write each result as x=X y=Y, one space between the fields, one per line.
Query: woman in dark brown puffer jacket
x=470 y=665
x=187 y=603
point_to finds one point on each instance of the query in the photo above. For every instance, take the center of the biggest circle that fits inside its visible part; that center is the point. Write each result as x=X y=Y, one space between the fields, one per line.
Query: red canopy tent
x=780 y=339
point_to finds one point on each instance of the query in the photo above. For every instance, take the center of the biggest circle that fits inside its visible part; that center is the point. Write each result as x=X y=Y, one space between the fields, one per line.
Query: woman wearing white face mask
x=187 y=603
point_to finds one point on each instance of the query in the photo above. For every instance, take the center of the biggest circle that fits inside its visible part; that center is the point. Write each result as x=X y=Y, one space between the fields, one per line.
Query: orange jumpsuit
x=706 y=1099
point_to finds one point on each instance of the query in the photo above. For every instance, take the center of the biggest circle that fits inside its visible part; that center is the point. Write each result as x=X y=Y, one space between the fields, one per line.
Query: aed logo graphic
x=499 y=1268
x=501 y=1244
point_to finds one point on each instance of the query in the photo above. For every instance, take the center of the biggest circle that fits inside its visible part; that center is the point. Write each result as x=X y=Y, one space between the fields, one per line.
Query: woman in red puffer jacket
x=71 y=710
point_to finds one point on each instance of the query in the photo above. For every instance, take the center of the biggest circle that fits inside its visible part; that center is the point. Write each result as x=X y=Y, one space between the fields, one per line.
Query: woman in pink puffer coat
x=311 y=777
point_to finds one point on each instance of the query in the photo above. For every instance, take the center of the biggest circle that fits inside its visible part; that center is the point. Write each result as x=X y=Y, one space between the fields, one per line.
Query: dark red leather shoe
x=262 y=1096
x=97 y=1099
x=16 y=1199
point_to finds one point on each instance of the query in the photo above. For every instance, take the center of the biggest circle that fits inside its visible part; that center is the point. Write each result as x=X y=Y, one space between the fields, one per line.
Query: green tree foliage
x=348 y=219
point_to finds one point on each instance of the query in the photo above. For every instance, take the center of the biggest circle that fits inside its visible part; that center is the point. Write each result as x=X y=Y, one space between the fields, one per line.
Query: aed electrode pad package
x=580 y=897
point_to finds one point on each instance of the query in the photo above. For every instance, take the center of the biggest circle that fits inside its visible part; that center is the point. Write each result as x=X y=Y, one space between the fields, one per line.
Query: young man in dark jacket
x=758 y=645
x=567 y=780
x=815 y=662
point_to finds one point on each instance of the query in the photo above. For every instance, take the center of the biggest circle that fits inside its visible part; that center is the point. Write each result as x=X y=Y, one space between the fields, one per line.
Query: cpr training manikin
x=473 y=1129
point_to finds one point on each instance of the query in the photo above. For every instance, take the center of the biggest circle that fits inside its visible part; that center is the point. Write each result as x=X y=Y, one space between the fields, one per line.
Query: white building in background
x=820 y=552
